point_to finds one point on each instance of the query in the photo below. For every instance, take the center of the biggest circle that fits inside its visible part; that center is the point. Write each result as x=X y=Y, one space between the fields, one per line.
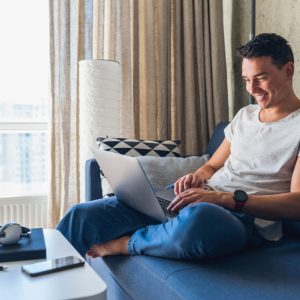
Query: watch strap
x=240 y=198
x=239 y=205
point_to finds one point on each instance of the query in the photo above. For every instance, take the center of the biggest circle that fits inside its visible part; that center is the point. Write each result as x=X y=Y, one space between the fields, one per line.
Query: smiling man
x=238 y=198
x=260 y=153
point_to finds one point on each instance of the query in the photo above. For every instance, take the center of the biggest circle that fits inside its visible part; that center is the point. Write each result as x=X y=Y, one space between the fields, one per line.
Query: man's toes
x=93 y=252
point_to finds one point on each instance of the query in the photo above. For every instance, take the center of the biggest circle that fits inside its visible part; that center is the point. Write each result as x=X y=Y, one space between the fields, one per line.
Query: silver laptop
x=131 y=185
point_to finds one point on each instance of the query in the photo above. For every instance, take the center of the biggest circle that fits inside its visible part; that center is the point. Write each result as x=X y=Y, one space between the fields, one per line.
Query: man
x=255 y=177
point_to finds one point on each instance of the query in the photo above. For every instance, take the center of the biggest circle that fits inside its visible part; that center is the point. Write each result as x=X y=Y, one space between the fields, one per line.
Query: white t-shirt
x=262 y=159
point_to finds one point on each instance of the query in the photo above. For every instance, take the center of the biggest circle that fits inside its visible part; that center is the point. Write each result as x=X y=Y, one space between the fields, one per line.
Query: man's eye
x=261 y=78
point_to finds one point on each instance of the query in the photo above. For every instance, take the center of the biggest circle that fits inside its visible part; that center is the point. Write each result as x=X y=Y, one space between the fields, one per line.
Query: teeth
x=261 y=97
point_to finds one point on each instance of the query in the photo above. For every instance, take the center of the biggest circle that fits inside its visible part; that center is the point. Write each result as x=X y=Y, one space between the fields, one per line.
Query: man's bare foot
x=114 y=247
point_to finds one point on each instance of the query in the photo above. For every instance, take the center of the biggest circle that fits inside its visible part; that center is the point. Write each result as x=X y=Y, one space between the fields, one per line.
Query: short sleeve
x=228 y=132
x=230 y=128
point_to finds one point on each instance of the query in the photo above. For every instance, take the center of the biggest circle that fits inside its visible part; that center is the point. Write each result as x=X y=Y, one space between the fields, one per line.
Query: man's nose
x=251 y=87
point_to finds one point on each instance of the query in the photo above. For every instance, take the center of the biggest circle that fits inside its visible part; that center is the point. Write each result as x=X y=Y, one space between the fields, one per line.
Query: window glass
x=24 y=97
x=23 y=164
x=24 y=58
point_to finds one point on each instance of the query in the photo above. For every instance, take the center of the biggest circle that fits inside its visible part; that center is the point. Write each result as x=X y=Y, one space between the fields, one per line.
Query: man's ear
x=289 y=67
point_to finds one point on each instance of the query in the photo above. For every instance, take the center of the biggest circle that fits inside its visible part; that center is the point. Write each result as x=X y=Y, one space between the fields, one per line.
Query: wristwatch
x=240 y=198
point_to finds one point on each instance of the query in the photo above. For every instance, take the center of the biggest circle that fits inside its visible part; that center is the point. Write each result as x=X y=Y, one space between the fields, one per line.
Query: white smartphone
x=53 y=265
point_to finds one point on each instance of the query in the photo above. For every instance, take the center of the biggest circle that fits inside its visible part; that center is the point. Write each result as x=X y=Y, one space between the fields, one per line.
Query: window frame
x=23 y=126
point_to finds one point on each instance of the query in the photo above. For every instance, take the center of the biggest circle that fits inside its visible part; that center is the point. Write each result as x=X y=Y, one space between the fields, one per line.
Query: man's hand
x=197 y=195
x=186 y=182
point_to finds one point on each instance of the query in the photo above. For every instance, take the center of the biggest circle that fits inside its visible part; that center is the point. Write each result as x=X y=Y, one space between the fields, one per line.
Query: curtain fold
x=236 y=33
x=175 y=80
x=173 y=67
x=70 y=41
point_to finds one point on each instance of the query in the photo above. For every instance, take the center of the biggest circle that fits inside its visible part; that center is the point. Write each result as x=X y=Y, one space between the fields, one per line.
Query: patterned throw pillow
x=133 y=147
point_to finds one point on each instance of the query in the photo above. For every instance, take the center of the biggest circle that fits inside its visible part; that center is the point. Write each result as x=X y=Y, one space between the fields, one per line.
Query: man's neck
x=290 y=104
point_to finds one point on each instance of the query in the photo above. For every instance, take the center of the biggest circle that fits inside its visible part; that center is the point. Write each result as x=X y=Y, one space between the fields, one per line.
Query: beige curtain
x=236 y=33
x=174 y=72
x=70 y=41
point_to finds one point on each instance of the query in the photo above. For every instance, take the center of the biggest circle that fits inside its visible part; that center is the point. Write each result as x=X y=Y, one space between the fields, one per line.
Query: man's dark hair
x=268 y=44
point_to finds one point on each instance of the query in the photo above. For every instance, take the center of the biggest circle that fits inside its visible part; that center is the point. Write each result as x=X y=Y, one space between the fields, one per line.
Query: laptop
x=132 y=187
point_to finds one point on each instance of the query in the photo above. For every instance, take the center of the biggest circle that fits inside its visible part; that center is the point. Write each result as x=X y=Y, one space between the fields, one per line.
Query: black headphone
x=11 y=233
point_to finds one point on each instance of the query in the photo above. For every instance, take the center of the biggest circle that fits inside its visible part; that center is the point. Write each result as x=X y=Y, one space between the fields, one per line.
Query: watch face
x=240 y=195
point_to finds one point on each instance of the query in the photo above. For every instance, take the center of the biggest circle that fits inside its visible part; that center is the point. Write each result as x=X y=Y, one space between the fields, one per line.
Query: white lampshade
x=99 y=98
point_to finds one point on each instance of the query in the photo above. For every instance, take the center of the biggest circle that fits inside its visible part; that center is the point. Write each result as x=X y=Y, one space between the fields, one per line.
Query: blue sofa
x=271 y=272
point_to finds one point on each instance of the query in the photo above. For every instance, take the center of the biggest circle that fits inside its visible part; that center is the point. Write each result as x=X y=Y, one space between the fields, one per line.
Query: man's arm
x=270 y=207
x=274 y=207
x=196 y=179
x=216 y=162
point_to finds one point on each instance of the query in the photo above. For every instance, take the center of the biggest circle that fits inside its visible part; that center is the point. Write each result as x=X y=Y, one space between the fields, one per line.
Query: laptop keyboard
x=164 y=204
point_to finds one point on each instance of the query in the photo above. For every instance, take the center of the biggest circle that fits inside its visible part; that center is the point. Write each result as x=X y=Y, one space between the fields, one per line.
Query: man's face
x=266 y=82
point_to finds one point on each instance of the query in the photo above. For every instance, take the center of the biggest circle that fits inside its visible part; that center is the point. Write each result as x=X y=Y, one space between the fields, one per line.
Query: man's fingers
x=177 y=199
x=187 y=181
x=178 y=186
x=182 y=200
x=182 y=203
x=174 y=202
x=182 y=185
x=196 y=182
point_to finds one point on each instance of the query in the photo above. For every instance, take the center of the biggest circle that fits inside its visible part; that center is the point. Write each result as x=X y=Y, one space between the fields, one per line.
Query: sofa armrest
x=93 y=188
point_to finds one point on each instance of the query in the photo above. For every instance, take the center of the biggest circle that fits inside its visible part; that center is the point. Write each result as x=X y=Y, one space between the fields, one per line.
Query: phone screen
x=53 y=265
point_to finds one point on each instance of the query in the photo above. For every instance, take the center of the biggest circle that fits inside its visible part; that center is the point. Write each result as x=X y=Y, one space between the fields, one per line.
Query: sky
x=24 y=51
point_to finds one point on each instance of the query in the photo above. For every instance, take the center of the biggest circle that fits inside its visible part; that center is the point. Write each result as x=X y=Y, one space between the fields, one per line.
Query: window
x=24 y=97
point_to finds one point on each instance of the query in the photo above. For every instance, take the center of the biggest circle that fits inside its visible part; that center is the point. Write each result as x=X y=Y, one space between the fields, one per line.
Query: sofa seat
x=273 y=272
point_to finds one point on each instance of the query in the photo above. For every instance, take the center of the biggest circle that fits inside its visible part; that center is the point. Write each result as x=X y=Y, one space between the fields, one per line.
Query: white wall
x=278 y=16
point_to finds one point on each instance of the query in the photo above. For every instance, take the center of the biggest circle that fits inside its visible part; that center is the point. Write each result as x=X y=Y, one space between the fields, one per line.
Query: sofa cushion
x=163 y=171
x=269 y=273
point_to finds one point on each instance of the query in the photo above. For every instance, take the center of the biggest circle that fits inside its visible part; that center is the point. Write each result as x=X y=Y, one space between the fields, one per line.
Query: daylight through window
x=24 y=96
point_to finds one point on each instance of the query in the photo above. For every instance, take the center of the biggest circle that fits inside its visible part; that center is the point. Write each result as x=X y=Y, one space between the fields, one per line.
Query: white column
x=99 y=95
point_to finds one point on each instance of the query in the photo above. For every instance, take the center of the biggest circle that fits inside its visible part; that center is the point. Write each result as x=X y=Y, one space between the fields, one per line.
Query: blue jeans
x=200 y=230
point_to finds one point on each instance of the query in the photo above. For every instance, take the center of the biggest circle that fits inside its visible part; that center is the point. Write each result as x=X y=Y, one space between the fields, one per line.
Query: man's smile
x=261 y=96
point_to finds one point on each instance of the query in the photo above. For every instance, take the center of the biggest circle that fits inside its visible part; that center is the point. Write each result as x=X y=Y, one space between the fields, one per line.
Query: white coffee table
x=78 y=283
